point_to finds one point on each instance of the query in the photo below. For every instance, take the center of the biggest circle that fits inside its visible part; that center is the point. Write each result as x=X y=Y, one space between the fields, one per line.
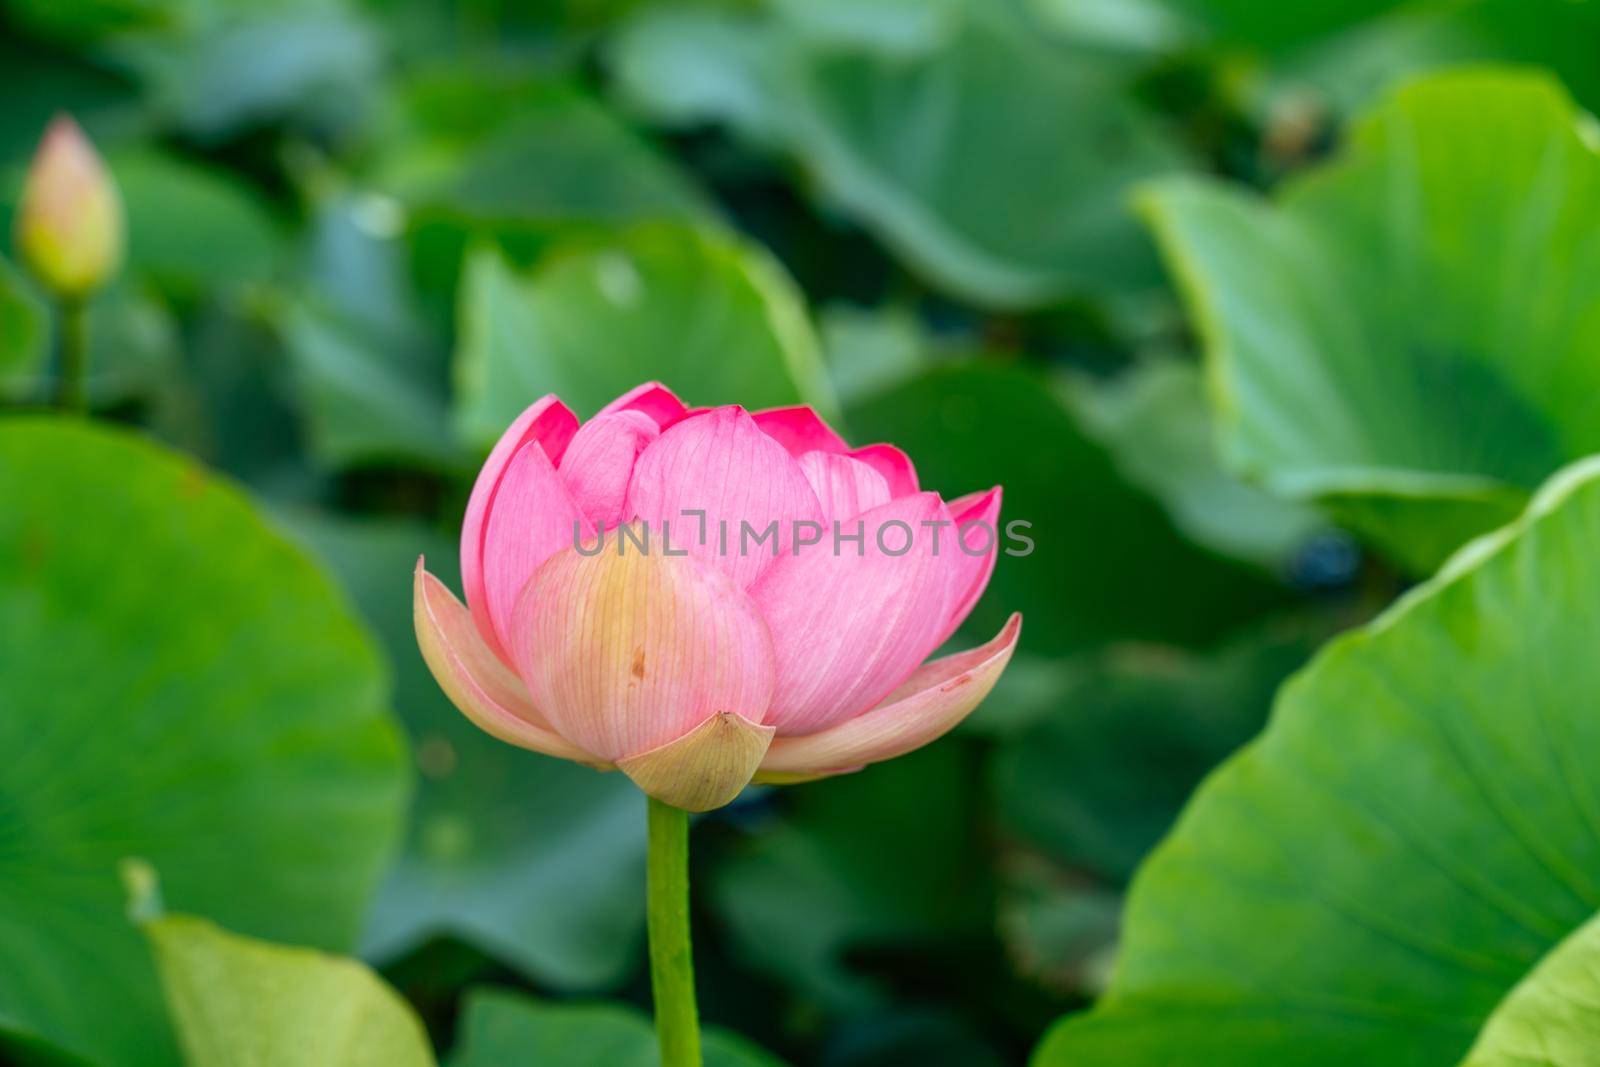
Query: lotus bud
x=702 y=598
x=69 y=225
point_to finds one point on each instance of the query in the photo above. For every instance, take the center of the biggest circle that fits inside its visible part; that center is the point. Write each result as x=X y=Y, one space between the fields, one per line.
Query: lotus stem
x=671 y=958
x=72 y=387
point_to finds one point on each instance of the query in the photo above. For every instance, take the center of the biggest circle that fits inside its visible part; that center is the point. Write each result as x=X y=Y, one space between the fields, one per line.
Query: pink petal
x=534 y=517
x=928 y=705
x=800 y=430
x=721 y=465
x=845 y=487
x=894 y=465
x=547 y=421
x=849 y=627
x=625 y=652
x=652 y=399
x=473 y=677
x=599 y=463
x=972 y=552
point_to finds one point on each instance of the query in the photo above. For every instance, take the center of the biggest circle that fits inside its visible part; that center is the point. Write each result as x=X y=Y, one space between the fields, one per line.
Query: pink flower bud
x=69 y=226
x=702 y=598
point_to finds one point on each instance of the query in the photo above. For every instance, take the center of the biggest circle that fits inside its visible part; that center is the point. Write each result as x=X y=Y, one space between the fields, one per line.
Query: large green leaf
x=239 y=1002
x=191 y=228
x=1553 y=1017
x=1155 y=421
x=24 y=333
x=487 y=148
x=996 y=164
x=177 y=684
x=712 y=317
x=684 y=65
x=533 y=859
x=1418 y=826
x=316 y=69
x=1408 y=334
x=371 y=375
x=504 y=1029
x=1107 y=563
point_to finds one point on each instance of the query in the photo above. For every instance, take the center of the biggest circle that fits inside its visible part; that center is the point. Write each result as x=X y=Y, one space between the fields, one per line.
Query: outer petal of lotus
x=660 y=664
x=895 y=466
x=928 y=705
x=799 y=429
x=533 y=518
x=972 y=550
x=475 y=680
x=849 y=625
x=550 y=423
x=652 y=399
x=720 y=466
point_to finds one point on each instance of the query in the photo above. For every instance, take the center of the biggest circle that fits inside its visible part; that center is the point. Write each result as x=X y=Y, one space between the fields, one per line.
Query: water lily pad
x=179 y=684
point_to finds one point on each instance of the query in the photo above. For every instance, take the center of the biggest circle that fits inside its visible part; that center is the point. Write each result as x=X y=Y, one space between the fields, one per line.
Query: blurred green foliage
x=1256 y=312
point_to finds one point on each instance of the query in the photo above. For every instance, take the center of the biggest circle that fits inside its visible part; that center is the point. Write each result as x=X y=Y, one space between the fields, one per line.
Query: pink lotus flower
x=669 y=648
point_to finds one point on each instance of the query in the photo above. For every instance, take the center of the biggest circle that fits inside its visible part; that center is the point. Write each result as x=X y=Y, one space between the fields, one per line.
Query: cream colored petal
x=932 y=701
x=473 y=677
x=706 y=767
x=624 y=652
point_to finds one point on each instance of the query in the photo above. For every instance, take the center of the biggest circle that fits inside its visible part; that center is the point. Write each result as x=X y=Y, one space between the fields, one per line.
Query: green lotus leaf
x=505 y=1029
x=178 y=684
x=239 y=1002
x=655 y=302
x=1553 y=1016
x=1416 y=830
x=1406 y=334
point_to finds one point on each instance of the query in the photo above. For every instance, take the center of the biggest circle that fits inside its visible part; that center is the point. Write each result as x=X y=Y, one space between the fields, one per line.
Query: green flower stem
x=671 y=959
x=72 y=388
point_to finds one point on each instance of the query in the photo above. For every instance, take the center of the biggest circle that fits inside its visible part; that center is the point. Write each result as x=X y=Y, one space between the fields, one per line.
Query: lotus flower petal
x=473 y=677
x=973 y=548
x=625 y=652
x=706 y=767
x=599 y=463
x=800 y=430
x=550 y=423
x=845 y=487
x=894 y=465
x=721 y=465
x=652 y=399
x=849 y=627
x=925 y=707
x=533 y=518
